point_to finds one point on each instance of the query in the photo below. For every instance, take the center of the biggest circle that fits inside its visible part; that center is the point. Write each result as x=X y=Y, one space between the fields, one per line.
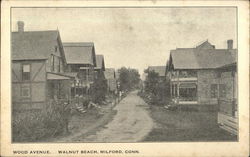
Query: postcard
x=132 y=78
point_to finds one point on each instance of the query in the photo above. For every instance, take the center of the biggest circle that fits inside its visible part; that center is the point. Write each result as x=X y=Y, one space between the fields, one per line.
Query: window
x=222 y=90
x=25 y=92
x=26 y=72
x=214 y=90
x=52 y=62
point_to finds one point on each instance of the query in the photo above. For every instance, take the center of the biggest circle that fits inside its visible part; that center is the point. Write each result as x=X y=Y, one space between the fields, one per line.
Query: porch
x=184 y=93
x=228 y=115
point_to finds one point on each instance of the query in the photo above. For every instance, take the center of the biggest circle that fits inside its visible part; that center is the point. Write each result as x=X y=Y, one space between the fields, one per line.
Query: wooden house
x=81 y=59
x=100 y=67
x=110 y=76
x=38 y=66
x=160 y=70
x=194 y=74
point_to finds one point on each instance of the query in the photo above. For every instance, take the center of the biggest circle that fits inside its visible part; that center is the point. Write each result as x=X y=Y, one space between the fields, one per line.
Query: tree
x=99 y=90
x=151 y=82
x=159 y=89
x=129 y=78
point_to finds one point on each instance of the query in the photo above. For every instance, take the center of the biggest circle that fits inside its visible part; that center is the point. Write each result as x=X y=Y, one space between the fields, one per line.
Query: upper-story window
x=52 y=61
x=26 y=72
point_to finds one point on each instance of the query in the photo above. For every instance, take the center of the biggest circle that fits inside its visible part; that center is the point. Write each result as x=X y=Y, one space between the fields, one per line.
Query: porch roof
x=53 y=76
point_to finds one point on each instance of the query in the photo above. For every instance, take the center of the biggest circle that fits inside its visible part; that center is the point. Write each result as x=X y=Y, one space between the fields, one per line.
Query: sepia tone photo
x=124 y=74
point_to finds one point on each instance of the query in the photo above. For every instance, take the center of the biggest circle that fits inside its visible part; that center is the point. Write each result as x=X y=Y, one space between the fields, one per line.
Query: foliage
x=129 y=78
x=99 y=90
x=33 y=125
x=156 y=88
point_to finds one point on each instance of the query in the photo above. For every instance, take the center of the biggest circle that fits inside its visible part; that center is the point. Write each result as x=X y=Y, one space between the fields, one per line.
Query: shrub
x=33 y=125
x=98 y=90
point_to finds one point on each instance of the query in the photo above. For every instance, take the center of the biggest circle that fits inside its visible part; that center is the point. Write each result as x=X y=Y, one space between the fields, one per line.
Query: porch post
x=74 y=88
x=178 y=85
x=170 y=85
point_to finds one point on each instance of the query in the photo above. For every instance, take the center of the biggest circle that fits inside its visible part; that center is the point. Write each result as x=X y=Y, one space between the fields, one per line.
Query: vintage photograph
x=124 y=74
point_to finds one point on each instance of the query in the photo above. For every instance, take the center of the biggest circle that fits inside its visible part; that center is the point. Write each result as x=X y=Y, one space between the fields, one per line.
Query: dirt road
x=131 y=123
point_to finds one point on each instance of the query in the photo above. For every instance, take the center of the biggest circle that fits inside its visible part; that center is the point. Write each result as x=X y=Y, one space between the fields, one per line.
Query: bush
x=99 y=90
x=33 y=125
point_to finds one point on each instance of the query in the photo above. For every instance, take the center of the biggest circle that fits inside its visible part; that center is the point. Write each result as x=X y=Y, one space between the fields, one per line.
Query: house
x=194 y=74
x=38 y=68
x=80 y=59
x=110 y=75
x=228 y=104
x=100 y=66
x=160 y=70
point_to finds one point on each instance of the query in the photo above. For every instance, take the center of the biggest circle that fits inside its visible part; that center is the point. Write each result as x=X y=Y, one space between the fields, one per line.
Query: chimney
x=20 y=25
x=230 y=44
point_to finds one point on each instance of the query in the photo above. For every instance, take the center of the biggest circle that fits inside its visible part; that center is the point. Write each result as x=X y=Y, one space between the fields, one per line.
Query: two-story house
x=81 y=59
x=194 y=75
x=38 y=65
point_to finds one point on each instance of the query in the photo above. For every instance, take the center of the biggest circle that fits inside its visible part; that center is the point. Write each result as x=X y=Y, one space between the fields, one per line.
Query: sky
x=134 y=37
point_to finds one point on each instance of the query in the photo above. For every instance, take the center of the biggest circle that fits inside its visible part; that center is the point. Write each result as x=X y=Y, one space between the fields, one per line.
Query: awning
x=187 y=85
x=51 y=76
x=84 y=68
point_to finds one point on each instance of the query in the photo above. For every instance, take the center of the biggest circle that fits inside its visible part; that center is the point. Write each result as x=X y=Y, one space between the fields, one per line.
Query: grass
x=81 y=125
x=186 y=126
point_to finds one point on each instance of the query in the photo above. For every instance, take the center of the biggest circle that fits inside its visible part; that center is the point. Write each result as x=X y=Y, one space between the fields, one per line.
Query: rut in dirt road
x=131 y=123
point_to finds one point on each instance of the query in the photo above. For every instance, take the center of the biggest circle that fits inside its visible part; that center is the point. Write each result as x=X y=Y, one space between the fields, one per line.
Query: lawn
x=186 y=126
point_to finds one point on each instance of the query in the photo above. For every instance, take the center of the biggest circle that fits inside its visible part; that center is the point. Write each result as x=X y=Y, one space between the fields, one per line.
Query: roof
x=201 y=58
x=109 y=73
x=100 y=62
x=205 y=45
x=33 y=45
x=53 y=76
x=79 y=53
x=71 y=74
x=158 y=69
x=204 y=56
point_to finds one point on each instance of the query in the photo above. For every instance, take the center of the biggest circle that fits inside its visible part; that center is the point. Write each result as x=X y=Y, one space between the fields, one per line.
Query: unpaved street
x=131 y=123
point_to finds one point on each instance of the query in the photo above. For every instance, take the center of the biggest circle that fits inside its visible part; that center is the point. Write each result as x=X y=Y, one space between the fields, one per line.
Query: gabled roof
x=80 y=53
x=33 y=45
x=110 y=73
x=205 y=45
x=100 y=62
x=193 y=58
x=158 y=69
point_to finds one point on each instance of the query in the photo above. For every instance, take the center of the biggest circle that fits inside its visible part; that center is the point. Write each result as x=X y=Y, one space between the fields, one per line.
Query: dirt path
x=131 y=123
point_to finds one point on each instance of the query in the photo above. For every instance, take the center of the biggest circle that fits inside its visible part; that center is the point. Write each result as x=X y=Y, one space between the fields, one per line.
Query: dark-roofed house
x=100 y=66
x=194 y=74
x=110 y=76
x=38 y=64
x=81 y=59
x=160 y=70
